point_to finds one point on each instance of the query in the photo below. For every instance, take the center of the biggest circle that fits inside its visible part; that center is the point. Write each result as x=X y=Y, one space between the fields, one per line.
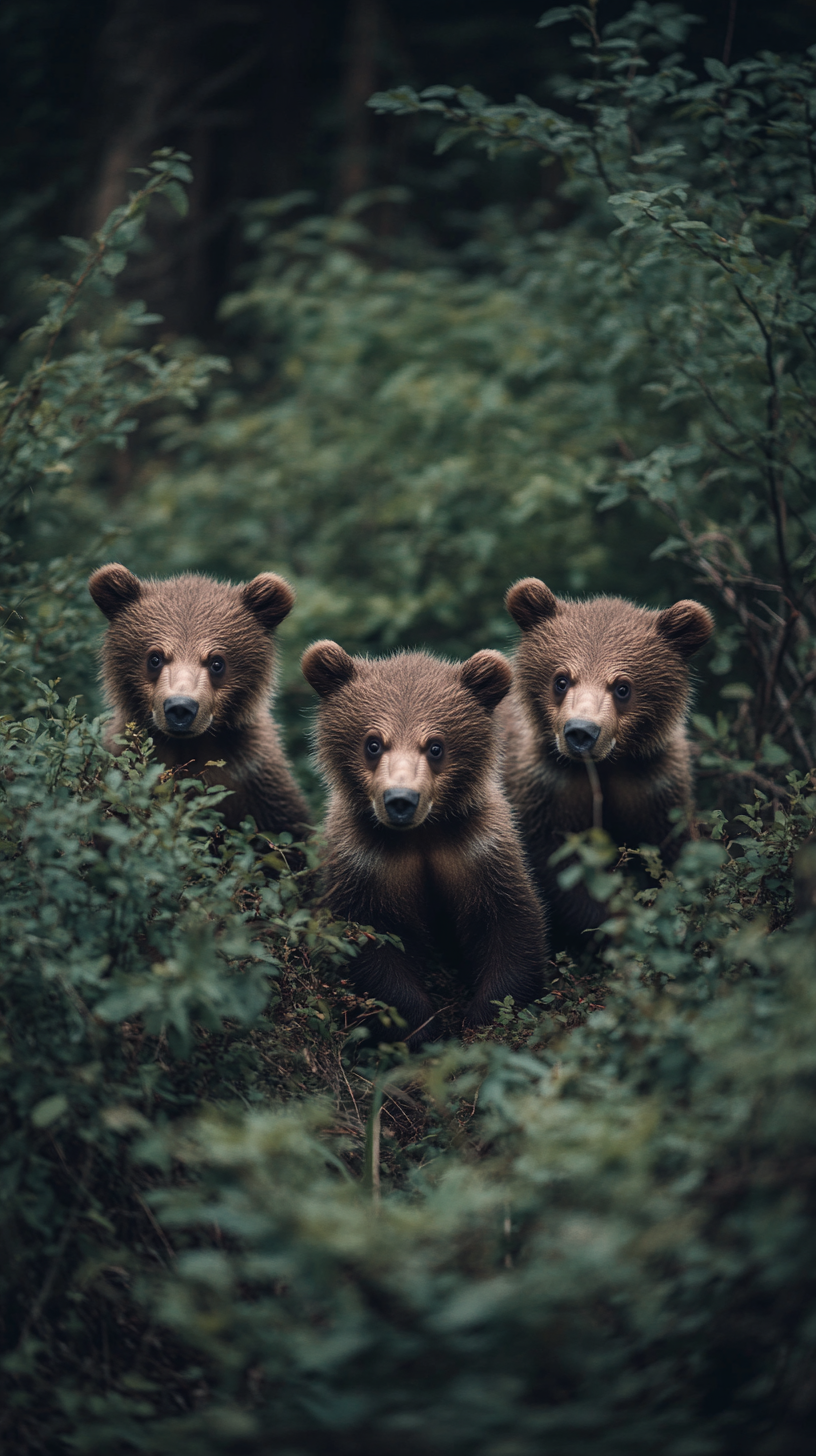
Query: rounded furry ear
x=269 y=598
x=529 y=602
x=327 y=667
x=686 y=627
x=488 y=676
x=114 y=588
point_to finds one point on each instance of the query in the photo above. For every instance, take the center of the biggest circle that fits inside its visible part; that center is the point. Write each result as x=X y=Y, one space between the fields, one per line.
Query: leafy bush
x=230 y=1220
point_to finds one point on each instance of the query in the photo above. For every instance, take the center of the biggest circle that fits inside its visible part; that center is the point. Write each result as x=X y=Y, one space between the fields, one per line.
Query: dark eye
x=561 y=683
x=217 y=666
x=373 y=747
x=155 y=661
x=435 y=750
x=622 y=691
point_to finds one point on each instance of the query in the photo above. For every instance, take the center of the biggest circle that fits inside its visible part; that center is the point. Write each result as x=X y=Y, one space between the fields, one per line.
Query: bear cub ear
x=327 y=667
x=114 y=588
x=269 y=598
x=686 y=627
x=529 y=601
x=488 y=676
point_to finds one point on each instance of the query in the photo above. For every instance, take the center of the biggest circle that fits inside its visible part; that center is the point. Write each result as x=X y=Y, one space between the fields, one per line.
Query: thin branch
x=157 y=1226
x=746 y=773
x=793 y=727
x=784 y=639
x=803 y=686
x=597 y=796
x=729 y=34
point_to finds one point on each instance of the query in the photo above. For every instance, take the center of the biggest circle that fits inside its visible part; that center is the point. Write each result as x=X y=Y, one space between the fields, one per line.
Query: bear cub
x=192 y=660
x=421 y=841
x=604 y=681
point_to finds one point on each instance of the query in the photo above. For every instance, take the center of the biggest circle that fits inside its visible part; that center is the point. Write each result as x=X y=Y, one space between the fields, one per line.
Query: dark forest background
x=267 y=99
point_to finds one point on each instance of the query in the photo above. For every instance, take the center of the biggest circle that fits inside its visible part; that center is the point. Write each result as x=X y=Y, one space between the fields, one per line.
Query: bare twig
x=784 y=639
x=750 y=774
x=157 y=1226
x=729 y=34
x=351 y=1094
x=791 y=723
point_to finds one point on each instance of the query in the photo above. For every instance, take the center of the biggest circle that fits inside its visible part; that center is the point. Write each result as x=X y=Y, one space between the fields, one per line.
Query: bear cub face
x=604 y=678
x=406 y=740
x=189 y=655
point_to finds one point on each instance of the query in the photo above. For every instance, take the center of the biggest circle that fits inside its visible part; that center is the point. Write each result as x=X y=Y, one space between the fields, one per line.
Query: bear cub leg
x=505 y=948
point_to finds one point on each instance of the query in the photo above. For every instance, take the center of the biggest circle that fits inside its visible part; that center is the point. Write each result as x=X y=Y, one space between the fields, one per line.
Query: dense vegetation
x=231 y=1221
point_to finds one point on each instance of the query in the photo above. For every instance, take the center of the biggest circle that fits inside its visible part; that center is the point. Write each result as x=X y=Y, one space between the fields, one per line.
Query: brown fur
x=454 y=879
x=192 y=623
x=572 y=659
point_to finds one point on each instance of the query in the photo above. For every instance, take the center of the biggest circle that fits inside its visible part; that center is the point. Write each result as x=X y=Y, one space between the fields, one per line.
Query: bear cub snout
x=420 y=839
x=192 y=661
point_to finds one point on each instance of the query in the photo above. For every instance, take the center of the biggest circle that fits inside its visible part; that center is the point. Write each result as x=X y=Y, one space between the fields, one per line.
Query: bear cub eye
x=217 y=666
x=435 y=750
x=155 y=661
x=622 y=691
x=373 y=747
x=561 y=683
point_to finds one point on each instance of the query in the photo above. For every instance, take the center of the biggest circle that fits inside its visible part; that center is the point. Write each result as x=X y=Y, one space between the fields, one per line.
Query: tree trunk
x=363 y=27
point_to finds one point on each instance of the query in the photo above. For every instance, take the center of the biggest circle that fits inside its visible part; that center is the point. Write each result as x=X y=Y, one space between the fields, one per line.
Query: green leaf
x=49 y=1110
x=113 y=262
x=564 y=12
x=716 y=70
x=176 y=195
x=77 y=245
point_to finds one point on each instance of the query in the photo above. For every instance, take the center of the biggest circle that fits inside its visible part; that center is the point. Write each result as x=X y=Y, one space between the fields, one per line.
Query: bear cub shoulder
x=192 y=660
x=421 y=841
x=605 y=682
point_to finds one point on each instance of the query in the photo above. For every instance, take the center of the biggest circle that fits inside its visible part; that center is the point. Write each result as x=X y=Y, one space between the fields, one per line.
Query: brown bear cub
x=192 y=661
x=606 y=682
x=421 y=841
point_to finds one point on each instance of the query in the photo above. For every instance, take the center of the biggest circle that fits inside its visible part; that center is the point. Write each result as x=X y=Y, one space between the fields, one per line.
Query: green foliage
x=73 y=398
x=86 y=383
x=230 y=1220
x=711 y=274
x=615 y=1251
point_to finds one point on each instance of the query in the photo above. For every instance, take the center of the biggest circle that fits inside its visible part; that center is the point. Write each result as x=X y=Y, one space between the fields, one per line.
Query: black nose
x=400 y=805
x=581 y=735
x=180 y=714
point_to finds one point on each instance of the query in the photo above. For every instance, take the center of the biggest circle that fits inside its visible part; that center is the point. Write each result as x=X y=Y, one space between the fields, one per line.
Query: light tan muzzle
x=586 y=723
x=403 y=790
x=182 y=699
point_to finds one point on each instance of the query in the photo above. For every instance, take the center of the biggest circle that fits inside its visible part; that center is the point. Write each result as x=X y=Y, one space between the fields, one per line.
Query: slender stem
x=371 y=1161
x=729 y=34
x=597 y=796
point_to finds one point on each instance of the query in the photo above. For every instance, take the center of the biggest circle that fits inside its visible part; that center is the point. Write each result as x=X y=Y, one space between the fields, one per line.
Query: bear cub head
x=407 y=739
x=603 y=677
x=188 y=655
